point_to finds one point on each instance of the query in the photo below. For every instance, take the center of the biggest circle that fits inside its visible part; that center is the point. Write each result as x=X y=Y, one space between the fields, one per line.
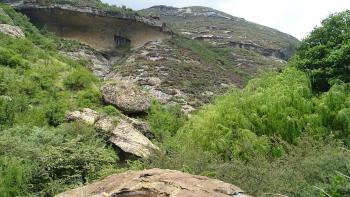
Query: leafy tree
x=325 y=53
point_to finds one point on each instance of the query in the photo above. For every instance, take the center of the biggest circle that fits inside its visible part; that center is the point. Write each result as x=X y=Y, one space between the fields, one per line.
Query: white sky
x=295 y=17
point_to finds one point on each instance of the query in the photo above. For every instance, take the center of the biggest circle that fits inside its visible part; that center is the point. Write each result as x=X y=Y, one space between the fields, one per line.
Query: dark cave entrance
x=121 y=41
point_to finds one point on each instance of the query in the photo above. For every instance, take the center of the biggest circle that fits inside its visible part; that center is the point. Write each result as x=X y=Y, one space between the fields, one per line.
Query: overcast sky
x=295 y=17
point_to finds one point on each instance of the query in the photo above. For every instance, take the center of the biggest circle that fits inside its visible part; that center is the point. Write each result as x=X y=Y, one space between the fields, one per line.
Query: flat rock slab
x=156 y=183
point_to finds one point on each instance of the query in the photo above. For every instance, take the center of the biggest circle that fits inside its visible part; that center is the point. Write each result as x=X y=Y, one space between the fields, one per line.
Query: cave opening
x=121 y=41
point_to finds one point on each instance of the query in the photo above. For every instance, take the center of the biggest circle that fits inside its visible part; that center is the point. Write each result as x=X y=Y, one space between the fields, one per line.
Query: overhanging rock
x=102 y=30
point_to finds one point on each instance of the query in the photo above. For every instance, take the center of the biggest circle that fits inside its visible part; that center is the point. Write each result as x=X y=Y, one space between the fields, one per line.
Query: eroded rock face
x=156 y=183
x=102 y=30
x=11 y=30
x=126 y=96
x=127 y=133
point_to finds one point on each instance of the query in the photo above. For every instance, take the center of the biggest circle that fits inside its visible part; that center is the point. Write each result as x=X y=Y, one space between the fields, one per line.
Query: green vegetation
x=274 y=137
x=40 y=155
x=165 y=121
x=324 y=54
x=50 y=160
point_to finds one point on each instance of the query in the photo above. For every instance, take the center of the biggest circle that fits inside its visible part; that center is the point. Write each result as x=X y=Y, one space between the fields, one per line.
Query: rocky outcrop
x=277 y=53
x=126 y=96
x=126 y=133
x=156 y=183
x=102 y=30
x=86 y=115
x=13 y=31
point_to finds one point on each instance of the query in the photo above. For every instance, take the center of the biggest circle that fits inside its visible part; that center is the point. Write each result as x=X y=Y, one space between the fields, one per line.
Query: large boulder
x=126 y=133
x=156 y=183
x=11 y=30
x=126 y=96
x=130 y=140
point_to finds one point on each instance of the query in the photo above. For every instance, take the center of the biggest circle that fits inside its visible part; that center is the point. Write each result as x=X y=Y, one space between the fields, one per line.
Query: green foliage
x=13 y=177
x=240 y=121
x=79 y=79
x=11 y=59
x=339 y=185
x=274 y=136
x=89 y=98
x=324 y=54
x=165 y=121
x=309 y=163
x=111 y=110
x=55 y=158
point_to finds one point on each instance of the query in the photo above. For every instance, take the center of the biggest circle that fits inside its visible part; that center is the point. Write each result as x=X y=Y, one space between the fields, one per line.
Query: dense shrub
x=79 y=79
x=11 y=59
x=13 y=177
x=89 y=98
x=309 y=163
x=55 y=158
x=324 y=54
x=165 y=121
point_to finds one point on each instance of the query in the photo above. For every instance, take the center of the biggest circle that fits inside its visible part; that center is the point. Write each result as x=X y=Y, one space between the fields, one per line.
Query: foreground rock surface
x=126 y=133
x=156 y=183
x=126 y=96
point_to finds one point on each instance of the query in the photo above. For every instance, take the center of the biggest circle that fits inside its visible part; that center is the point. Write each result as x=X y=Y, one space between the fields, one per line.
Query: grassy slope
x=39 y=154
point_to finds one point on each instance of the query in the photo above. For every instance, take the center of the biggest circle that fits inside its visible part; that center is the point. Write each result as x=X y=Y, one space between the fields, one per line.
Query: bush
x=55 y=113
x=89 y=98
x=165 y=121
x=11 y=59
x=79 y=79
x=309 y=163
x=57 y=158
x=111 y=110
x=13 y=177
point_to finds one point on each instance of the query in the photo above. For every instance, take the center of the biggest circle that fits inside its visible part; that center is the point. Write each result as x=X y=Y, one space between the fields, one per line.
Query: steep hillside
x=92 y=103
x=222 y=29
x=196 y=54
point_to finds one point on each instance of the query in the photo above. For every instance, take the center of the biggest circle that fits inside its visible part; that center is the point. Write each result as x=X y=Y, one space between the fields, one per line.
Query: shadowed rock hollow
x=101 y=30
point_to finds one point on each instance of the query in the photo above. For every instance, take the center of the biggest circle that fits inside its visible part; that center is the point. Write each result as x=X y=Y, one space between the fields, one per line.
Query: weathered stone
x=126 y=96
x=11 y=30
x=141 y=126
x=106 y=123
x=102 y=30
x=127 y=133
x=86 y=115
x=130 y=140
x=156 y=183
